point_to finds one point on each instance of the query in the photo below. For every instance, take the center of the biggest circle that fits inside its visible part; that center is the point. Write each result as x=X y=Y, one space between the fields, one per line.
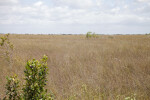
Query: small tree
x=35 y=76
x=6 y=48
x=12 y=92
x=35 y=80
x=88 y=34
x=94 y=35
x=91 y=35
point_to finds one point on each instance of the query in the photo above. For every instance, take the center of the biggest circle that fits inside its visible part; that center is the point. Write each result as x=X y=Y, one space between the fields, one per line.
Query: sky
x=75 y=16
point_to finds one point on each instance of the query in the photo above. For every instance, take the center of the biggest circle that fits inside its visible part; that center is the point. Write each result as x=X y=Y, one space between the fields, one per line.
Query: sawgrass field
x=108 y=67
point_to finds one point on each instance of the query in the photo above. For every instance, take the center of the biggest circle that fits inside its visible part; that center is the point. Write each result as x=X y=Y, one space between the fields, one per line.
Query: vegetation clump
x=147 y=34
x=35 y=81
x=6 y=49
x=12 y=91
x=91 y=35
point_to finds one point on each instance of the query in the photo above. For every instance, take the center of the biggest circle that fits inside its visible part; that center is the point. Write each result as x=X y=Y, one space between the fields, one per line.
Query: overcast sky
x=75 y=16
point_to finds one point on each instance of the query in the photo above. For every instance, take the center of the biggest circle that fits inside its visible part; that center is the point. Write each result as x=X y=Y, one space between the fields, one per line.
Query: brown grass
x=109 y=65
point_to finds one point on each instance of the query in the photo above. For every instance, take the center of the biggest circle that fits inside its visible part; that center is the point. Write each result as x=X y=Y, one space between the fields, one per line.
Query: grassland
x=104 y=68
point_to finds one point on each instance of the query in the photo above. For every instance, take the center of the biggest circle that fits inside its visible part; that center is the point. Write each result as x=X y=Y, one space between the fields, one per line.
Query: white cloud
x=98 y=2
x=74 y=12
x=143 y=0
x=115 y=10
x=75 y=3
x=7 y=2
x=39 y=3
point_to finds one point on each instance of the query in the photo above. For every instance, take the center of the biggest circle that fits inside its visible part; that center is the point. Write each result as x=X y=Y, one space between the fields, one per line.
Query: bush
x=91 y=35
x=88 y=34
x=6 y=48
x=12 y=86
x=35 y=80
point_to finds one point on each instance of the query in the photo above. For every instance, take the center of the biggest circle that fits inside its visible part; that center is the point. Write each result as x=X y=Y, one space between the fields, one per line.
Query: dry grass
x=109 y=65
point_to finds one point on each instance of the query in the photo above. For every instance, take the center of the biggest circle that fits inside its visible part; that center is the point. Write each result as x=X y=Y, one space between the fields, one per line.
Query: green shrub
x=12 y=92
x=7 y=49
x=88 y=34
x=5 y=41
x=131 y=97
x=35 y=76
x=91 y=35
x=35 y=81
x=147 y=34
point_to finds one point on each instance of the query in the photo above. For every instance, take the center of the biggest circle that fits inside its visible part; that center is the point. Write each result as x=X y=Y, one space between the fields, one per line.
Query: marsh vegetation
x=115 y=67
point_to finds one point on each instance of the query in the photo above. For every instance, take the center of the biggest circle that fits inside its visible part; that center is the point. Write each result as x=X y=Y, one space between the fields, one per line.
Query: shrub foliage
x=6 y=48
x=35 y=81
x=12 y=86
x=91 y=35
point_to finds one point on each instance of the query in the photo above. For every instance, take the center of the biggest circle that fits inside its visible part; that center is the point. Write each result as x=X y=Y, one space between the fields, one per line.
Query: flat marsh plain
x=109 y=67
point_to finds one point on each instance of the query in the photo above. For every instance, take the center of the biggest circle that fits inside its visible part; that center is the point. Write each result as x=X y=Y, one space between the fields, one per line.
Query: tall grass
x=110 y=68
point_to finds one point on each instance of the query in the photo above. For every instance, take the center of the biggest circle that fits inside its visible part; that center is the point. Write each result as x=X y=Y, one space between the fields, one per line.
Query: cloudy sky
x=75 y=16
